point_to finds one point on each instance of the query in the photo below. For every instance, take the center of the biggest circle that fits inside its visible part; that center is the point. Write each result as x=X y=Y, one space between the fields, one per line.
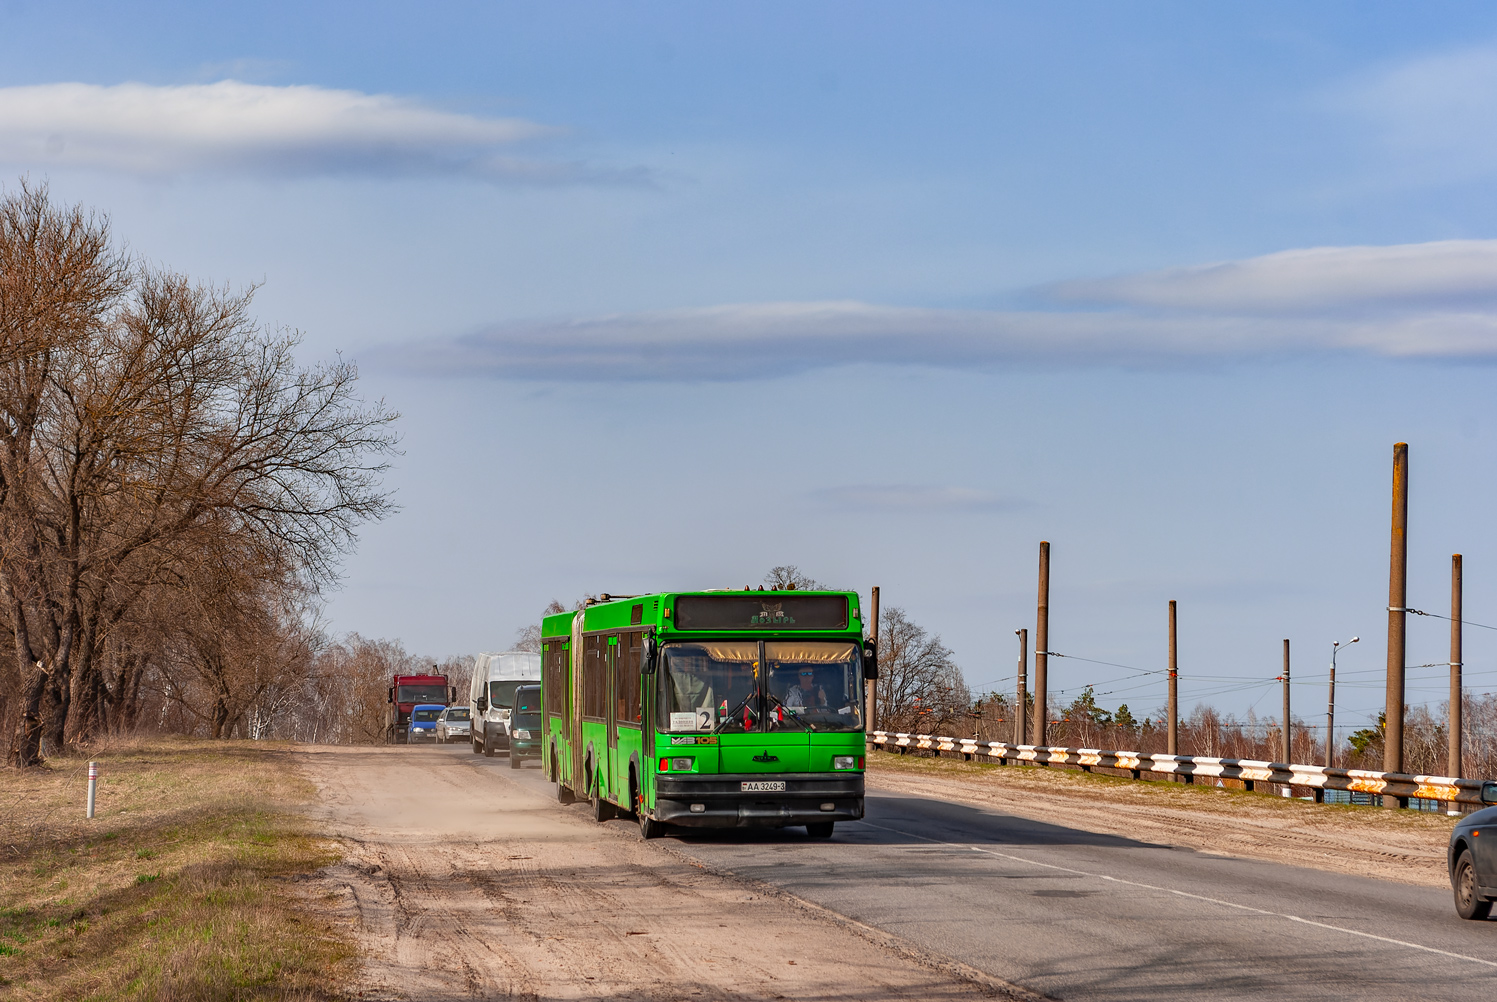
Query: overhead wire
x=1110 y=687
x=1436 y=615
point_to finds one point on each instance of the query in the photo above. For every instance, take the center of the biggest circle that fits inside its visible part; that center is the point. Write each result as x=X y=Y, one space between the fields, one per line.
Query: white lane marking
x=1195 y=897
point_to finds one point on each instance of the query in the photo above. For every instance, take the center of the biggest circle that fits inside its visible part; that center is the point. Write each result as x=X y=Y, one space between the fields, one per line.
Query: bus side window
x=631 y=658
x=594 y=678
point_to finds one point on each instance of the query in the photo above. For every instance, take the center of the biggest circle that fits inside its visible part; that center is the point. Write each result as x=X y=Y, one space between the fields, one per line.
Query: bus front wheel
x=650 y=828
x=820 y=829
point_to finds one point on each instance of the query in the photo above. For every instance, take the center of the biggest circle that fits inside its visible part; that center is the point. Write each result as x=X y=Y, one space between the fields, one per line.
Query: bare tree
x=788 y=577
x=142 y=420
x=529 y=638
x=920 y=685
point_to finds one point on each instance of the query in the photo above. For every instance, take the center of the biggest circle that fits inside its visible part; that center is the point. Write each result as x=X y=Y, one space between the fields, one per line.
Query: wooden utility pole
x=1022 y=706
x=1453 y=767
x=1285 y=744
x=1398 y=569
x=1042 y=648
x=1174 y=697
x=872 y=724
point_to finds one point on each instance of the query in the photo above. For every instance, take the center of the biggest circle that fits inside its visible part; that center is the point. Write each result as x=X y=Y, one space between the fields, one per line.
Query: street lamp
x=1330 y=713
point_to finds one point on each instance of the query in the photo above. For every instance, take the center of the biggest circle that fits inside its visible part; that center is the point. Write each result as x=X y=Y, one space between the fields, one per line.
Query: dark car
x=1473 y=859
x=525 y=725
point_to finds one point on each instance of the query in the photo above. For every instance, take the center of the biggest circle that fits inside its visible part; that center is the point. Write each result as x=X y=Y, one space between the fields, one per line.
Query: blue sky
x=671 y=293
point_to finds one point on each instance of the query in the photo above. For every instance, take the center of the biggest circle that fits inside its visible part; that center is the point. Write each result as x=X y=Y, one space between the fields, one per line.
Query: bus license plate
x=762 y=786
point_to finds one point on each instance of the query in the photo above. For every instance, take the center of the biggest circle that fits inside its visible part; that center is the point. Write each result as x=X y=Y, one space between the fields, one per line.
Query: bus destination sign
x=761 y=611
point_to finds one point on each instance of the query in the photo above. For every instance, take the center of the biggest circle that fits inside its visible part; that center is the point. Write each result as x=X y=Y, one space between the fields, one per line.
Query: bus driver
x=806 y=692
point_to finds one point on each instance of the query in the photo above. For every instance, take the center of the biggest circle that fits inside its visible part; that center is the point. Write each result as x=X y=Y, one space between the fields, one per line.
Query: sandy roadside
x=461 y=884
x=1404 y=846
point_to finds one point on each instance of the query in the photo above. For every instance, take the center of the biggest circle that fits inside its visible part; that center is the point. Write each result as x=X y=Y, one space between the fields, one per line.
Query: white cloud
x=913 y=497
x=1432 y=301
x=1313 y=279
x=235 y=126
x=770 y=339
x=766 y=340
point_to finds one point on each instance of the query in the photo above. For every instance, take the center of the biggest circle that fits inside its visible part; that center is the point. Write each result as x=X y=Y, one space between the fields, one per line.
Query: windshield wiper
x=787 y=714
x=733 y=713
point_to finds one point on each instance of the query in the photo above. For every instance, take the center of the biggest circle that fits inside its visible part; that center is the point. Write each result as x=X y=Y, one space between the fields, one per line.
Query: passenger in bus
x=693 y=686
x=805 y=692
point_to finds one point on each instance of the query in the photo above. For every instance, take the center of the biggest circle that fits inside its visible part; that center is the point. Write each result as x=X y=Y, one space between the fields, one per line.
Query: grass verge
x=180 y=888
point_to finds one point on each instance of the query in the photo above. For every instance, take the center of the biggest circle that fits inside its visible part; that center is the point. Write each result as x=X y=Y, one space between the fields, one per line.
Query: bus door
x=574 y=709
x=647 y=730
x=610 y=668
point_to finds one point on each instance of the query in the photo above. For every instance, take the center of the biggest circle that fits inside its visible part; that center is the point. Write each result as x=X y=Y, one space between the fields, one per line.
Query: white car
x=454 y=724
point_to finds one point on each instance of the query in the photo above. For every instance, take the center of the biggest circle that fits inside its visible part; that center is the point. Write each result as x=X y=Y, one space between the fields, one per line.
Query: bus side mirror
x=870 y=660
x=1489 y=793
x=651 y=654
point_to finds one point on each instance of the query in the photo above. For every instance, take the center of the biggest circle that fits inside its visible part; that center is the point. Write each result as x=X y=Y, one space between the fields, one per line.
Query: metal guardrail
x=1393 y=784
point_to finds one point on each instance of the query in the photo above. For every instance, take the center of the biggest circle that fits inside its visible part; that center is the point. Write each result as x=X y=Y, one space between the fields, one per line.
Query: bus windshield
x=720 y=686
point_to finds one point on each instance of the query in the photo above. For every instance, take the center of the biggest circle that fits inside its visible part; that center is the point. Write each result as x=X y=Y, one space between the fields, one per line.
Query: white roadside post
x=93 y=785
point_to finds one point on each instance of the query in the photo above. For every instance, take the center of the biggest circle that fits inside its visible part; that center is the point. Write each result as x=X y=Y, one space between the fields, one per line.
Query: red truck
x=407 y=691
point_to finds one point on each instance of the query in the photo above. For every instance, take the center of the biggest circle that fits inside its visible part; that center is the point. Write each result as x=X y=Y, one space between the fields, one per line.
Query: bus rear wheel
x=820 y=829
x=602 y=809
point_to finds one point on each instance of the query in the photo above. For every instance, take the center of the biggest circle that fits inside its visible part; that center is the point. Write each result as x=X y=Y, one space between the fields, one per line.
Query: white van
x=495 y=677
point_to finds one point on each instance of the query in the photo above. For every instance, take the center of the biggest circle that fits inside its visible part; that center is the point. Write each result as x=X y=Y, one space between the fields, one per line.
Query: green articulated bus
x=716 y=709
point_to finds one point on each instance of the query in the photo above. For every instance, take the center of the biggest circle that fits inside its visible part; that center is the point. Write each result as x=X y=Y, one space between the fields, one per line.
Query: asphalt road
x=1078 y=915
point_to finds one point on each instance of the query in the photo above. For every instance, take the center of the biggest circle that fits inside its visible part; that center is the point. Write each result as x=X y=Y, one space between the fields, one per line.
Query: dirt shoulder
x=461 y=883
x=1404 y=846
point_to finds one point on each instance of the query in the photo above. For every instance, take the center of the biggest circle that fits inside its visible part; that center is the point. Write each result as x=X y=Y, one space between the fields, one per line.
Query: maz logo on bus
x=766 y=757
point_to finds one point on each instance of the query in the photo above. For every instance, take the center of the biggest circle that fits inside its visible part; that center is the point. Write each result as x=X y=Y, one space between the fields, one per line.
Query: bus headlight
x=847 y=762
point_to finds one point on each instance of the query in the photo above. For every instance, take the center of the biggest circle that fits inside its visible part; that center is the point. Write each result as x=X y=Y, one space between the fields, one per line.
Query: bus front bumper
x=721 y=802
